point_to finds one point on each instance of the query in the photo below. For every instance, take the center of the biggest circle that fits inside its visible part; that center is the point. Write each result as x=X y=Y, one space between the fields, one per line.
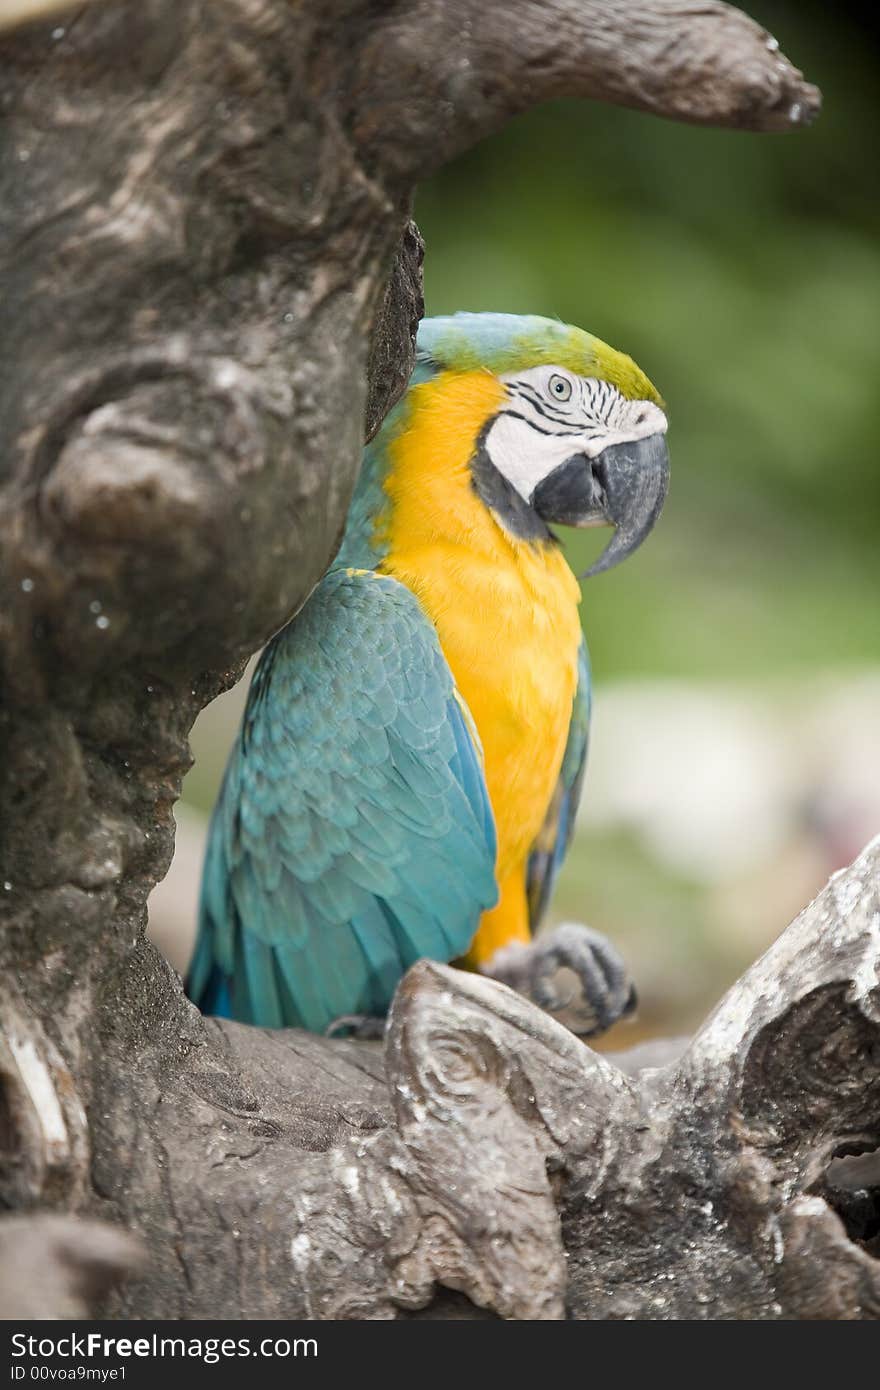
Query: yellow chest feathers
x=505 y=609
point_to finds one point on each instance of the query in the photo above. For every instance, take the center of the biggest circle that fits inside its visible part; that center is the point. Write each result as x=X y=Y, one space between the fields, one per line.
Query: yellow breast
x=505 y=609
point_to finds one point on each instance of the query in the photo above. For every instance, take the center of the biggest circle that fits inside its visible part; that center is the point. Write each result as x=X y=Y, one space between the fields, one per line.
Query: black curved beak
x=624 y=487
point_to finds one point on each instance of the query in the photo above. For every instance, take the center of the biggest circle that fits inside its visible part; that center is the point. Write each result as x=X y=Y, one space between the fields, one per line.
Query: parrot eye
x=560 y=388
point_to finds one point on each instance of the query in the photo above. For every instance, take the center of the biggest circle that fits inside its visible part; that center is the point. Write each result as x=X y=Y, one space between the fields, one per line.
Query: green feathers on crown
x=505 y=343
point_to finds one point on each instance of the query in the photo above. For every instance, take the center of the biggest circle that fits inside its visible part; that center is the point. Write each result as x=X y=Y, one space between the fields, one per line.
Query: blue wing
x=353 y=833
x=556 y=833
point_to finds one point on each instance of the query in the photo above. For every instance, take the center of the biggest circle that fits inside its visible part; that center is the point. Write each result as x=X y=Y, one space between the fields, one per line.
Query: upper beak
x=624 y=487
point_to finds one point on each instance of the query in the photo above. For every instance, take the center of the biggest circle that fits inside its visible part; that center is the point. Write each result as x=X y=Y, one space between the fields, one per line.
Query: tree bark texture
x=210 y=288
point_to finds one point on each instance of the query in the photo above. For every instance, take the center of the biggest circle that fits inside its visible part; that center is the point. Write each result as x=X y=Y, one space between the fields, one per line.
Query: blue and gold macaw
x=410 y=759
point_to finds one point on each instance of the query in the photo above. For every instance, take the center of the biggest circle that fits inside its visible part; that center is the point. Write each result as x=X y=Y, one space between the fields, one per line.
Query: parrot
x=406 y=775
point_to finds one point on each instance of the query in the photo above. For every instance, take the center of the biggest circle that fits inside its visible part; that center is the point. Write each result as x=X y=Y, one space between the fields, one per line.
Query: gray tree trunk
x=210 y=288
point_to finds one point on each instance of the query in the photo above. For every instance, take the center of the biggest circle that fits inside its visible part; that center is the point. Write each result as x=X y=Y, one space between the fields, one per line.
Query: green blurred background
x=735 y=757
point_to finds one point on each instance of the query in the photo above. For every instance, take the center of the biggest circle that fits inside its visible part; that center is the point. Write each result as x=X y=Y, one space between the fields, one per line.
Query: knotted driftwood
x=209 y=290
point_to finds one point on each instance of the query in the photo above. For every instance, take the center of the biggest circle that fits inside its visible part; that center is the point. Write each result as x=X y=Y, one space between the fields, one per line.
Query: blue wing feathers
x=215 y=995
x=556 y=834
x=353 y=833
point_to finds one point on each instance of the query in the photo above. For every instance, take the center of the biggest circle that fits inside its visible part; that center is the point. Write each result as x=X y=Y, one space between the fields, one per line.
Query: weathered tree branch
x=201 y=206
x=500 y=1157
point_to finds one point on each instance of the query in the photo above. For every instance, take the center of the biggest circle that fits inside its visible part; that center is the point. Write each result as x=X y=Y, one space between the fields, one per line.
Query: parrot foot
x=361 y=1027
x=573 y=973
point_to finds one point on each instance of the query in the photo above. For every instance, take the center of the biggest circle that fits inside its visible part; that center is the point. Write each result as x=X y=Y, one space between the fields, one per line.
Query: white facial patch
x=551 y=415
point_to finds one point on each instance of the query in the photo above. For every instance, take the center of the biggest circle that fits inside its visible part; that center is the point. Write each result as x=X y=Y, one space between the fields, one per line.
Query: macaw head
x=578 y=437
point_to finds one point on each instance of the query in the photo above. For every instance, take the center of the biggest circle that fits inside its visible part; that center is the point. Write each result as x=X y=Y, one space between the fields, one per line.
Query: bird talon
x=573 y=973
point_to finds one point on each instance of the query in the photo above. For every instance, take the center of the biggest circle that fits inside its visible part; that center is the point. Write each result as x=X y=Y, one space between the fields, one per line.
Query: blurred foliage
x=742 y=272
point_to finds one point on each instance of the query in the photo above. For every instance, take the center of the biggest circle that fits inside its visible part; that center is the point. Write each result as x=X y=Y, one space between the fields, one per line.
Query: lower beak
x=624 y=487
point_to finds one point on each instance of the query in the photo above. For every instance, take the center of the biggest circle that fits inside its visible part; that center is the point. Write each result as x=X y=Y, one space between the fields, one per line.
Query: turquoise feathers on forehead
x=504 y=343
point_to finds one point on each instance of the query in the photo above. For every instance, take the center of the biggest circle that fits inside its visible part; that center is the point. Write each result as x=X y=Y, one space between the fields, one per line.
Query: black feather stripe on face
x=543 y=407
x=501 y=497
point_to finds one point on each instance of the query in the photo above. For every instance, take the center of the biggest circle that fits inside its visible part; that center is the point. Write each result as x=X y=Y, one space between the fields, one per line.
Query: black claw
x=602 y=993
